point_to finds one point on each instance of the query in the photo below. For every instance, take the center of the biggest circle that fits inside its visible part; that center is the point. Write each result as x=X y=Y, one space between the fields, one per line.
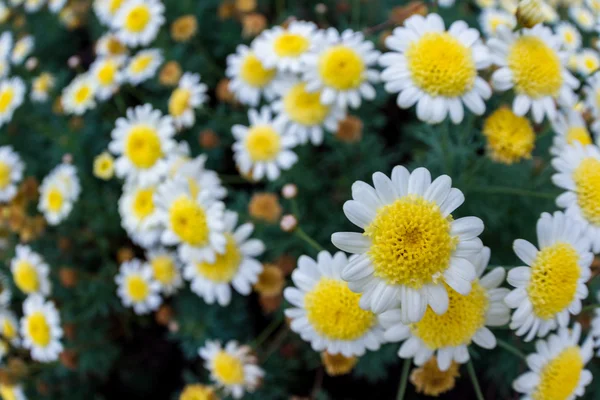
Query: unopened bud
x=73 y=62
x=31 y=63
x=288 y=223
x=289 y=191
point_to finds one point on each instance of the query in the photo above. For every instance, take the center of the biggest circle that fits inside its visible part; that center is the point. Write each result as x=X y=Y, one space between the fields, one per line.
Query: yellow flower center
x=590 y=64
x=554 y=276
x=188 y=221
x=342 y=68
x=290 y=45
x=225 y=266
x=42 y=83
x=106 y=74
x=83 y=94
x=458 y=325
x=138 y=18
x=333 y=311
x=7 y=392
x=137 y=288
x=114 y=5
x=440 y=65
x=569 y=37
x=179 y=101
x=228 y=369
x=164 y=269
x=6 y=98
x=104 y=166
x=263 y=143
x=560 y=377
x=510 y=138
x=9 y=330
x=26 y=277
x=305 y=107
x=411 y=243
x=536 y=68
x=143 y=147
x=578 y=134
x=5 y=171
x=115 y=47
x=254 y=73
x=198 y=392
x=38 y=329
x=140 y=63
x=143 y=203
x=587 y=183
x=55 y=199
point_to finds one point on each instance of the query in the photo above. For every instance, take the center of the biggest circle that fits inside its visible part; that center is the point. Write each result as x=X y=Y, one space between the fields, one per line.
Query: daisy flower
x=262 y=149
x=448 y=336
x=12 y=392
x=165 y=270
x=283 y=48
x=530 y=62
x=11 y=173
x=491 y=18
x=436 y=69
x=32 y=6
x=326 y=313
x=9 y=327
x=66 y=174
x=139 y=214
x=41 y=86
x=303 y=114
x=569 y=36
x=105 y=71
x=236 y=267
x=141 y=140
x=22 y=49
x=104 y=166
x=557 y=367
x=570 y=128
x=232 y=368
x=55 y=6
x=411 y=249
x=4 y=12
x=136 y=287
x=593 y=5
x=12 y=94
x=78 y=96
x=29 y=271
x=40 y=329
x=189 y=95
x=588 y=62
x=342 y=68
x=510 y=138
x=137 y=22
x=110 y=46
x=6 y=42
x=143 y=66
x=552 y=284
x=250 y=79
x=55 y=201
x=106 y=10
x=583 y=17
x=197 y=176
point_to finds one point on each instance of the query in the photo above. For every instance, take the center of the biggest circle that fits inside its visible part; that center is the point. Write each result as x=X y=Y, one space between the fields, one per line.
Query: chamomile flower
x=30 y=272
x=236 y=266
x=510 y=138
x=138 y=21
x=196 y=175
x=105 y=71
x=12 y=392
x=342 y=68
x=262 y=149
x=569 y=36
x=40 y=329
x=110 y=46
x=578 y=169
x=106 y=10
x=32 y=6
x=490 y=19
x=411 y=250
x=55 y=6
x=11 y=173
x=552 y=284
x=23 y=47
x=326 y=312
x=303 y=114
x=142 y=66
x=78 y=96
x=137 y=288
x=249 y=78
x=12 y=94
x=448 y=336
x=189 y=95
x=232 y=368
x=531 y=63
x=141 y=140
x=139 y=214
x=66 y=174
x=4 y=12
x=166 y=270
x=583 y=17
x=588 y=62
x=557 y=367
x=55 y=201
x=283 y=48
x=570 y=128
x=41 y=87
x=436 y=69
x=104 y=166
x=9 y=327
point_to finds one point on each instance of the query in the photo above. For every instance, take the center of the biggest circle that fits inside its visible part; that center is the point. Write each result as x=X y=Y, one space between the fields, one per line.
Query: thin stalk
x=403 y=379
x=590 y=307
x=513 y=192
x=473 y=376
x=510 y=348
x=304 y=236
x=264 y=335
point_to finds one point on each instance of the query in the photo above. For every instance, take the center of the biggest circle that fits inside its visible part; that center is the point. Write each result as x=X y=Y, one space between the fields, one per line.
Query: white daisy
x=9 y=327
x=189 y=95
x=491 y=18
x=137 y=288
x=66 y=174
x=41 y=87
x=12 y=392
x=40 y=329
x=55 y=201
x=583 y=17
x=197 y=176
x=12 y=94
x=569 y=36
x=105 y=70
x=6 y=43
x=11 y=173
x=570 y=128
x=139 y=214
x=166 y=270
x=141 y=140
x=78 y=96
x=29 y=271
x=142 y=66
x=55 y=6
x=106 y=10
x=262 y=149
x=22 y=49
x=411 y=249
x=32 y=6
x=588 y=62
x=137 y=22
x=4 y=12
x=110 y=46
x=232 y=368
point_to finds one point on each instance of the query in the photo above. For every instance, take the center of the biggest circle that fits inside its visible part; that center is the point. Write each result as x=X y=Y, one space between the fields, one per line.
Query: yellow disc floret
x=560 y=377
x=198 y=392
x=106 y=73
x=6 y=98
x=164 y=269
x=26 y=277
x=179 y=101
x=228 y=369
x=342 y=68
x=38 y=329
x=55 y=199
x=188 y=221
x=143 y=203
x=578 y=134
x=138 y=18
x=226 y=265
x=290 y=45
x=253 y=72
x=510 y=138
x=137 y=288
x=587 y=187
x=263 y=143
x=140 y=63
x=5 y=171
x=305 y=107
x=143 y=147
x=83 y=94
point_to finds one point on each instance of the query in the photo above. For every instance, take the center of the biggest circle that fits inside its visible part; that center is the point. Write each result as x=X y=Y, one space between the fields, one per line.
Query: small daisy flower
x=570 y=128
x=41 y=87
x=143 y=66
x=104 y=166
x=55 y=6
x=583 y=17
x=141 y=140
x=55 y=201
x=78 y=96
x=342 y=68
x=32 y=6
x=490 y=19
x=40 y=329
x=166 y=270
x=411 y=249
x=448 y=336
x=250 y=79
x=66 y=174
x=593 y=5
x=588 y=62
x=569 y=36
x=12 y=94
x=9 y=327
x=106 y=10
x=11 y=173
x=110 y=46
x=105 y=71
x=510 y=138
x=6 y=43
x=4 y=12
x=189 y=95
x=283 y=48
x=232 y=368
x=552 y=284
x=12 y=392
x=326 y=312
x=262 y=149
x=139 y=214
x=138 y=21
x=29 y=271
x=557 y=367
x=196 y=391
x=22 y=49
x=197 y=176
x=531 y=63
x=136 y=287
x=236 y=267
x=436 y=69
x=578 y=169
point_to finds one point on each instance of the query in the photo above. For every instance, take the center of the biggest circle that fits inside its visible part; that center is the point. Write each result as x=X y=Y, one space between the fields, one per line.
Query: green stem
x=513 y=191
x=510 y=348
x=473 y=376
x=590 y=307
x=403 y=379
x=232 y=179
x=295 y=208
x=304 y=236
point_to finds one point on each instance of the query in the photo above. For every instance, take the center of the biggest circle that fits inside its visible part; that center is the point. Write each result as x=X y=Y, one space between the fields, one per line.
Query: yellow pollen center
x=164 y=269
x=7 y=392
x=140 y=63
x=569 y=37
x=5 y=172
x=441 y=65
x=578 y=134
x=114 y=5
x=225 y=266
x=536 y=68
x=138 y=18
x=333 y=311
x=143 y=203
x=26 y=277
x=38 y=329
x=9 y=330
x=42 y=84
x=590 y=63
x=106 y=74
x=554 y=276
x=6 y=98
x=254 y=73
x=342 y=68
x=560 y=377
x=188 y=221
x=228 y=369
x=456 y=327
x=510 y=138
x=137 y=288
x=305 y=107
x=83 y=94
x=179 y=101
x=263 y=143
x=55 y=199
x=587 y=187
x=411 y=243
x=290 y=45
x=143 y=147
x=115 y=47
